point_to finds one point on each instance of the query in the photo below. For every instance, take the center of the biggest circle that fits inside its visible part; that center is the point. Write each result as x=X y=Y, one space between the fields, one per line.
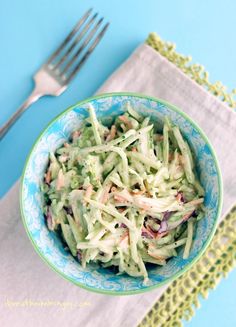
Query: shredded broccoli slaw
x=125 y=195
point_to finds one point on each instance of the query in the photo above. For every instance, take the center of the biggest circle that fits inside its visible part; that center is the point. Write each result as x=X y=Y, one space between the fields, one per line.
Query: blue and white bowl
x=49 y=246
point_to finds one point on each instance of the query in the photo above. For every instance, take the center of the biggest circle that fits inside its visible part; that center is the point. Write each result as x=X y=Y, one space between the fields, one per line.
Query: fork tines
x=67 y=60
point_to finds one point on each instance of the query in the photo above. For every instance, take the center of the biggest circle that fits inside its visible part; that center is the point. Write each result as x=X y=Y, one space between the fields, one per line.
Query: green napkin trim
x=195 y=71
x=181 y=298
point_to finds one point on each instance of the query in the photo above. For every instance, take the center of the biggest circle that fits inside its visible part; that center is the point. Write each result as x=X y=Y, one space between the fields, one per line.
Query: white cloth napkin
x=33 y=295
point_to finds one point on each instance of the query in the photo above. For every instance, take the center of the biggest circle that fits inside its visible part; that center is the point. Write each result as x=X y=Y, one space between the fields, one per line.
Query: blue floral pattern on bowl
x=49 y=246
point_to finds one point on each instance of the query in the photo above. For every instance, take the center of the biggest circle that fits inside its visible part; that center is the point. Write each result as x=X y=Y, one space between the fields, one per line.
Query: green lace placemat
x=181 y=298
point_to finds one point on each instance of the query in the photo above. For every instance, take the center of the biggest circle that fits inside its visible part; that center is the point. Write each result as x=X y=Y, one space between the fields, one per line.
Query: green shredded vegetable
x=126 y=195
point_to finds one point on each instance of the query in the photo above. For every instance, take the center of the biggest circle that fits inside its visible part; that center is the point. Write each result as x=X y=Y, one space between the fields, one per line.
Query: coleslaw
x=125 y=195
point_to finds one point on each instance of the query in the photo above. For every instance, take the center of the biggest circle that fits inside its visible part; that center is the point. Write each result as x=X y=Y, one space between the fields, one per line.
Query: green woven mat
x=181 y=298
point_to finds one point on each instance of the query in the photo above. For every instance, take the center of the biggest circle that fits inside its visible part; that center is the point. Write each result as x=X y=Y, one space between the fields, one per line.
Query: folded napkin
x=31 y=293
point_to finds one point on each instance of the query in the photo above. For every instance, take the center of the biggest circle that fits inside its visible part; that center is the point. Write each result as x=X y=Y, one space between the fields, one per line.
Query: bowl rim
x=207 y=242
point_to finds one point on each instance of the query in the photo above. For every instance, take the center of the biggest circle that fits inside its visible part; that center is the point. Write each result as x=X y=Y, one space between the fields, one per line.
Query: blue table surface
x=30 y=31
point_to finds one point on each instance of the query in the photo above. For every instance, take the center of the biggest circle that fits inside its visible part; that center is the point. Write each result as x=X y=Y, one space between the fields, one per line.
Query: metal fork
x=55 y=75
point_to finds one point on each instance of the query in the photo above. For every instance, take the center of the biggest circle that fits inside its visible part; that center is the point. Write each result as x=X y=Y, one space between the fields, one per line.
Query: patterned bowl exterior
x=49 y=246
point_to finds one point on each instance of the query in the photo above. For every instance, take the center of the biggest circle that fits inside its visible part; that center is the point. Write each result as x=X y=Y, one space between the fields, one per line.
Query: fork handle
x=34 y=96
